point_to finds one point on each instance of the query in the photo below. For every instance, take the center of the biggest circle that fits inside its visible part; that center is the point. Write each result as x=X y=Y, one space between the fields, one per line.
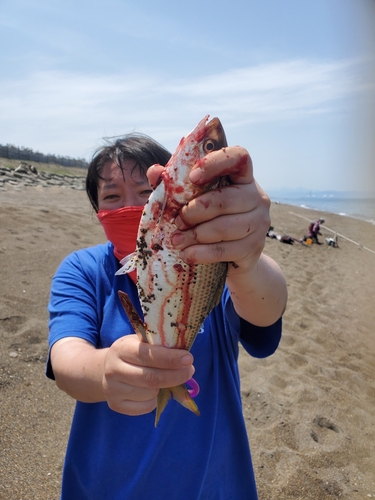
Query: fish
x=175 y=296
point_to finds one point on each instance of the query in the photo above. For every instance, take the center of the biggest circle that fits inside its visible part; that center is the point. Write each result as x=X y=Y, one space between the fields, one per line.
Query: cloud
x=66 y=112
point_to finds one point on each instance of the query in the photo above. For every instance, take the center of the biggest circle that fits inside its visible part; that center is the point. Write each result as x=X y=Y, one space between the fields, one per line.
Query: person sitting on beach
x=285 y=238
x=114 y=450
x=313 y=231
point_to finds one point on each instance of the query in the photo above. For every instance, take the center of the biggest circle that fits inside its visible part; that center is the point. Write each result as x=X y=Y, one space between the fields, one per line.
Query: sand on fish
x=309 y=408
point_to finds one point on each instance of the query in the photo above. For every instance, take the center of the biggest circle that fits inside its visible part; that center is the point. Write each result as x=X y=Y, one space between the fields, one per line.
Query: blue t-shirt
x=119 y=457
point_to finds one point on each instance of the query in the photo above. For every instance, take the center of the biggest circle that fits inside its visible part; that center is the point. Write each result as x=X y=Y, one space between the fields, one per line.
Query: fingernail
x=195 y=175
x=177 y=239
x=186 y=360
x=179 y=223
x=189 y=260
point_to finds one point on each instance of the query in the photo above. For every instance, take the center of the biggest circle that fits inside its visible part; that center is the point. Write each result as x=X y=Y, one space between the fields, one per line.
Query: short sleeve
x=73 y=307
x=259 y=341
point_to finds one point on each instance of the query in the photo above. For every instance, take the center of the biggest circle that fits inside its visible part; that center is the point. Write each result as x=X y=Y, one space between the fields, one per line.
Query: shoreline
x=366 y=218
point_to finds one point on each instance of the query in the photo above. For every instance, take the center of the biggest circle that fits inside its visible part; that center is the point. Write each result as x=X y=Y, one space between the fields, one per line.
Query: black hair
x=139 y=147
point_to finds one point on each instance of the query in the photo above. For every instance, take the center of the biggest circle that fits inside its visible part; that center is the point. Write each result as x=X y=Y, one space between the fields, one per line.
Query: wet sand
x=309 y=408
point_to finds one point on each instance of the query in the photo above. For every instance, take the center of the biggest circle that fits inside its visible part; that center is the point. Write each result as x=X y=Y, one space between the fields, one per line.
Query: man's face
x=120 y=188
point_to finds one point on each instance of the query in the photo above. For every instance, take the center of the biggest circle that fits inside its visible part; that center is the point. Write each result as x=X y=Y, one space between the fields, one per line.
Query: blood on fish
x=177 y=296
x=178 y=268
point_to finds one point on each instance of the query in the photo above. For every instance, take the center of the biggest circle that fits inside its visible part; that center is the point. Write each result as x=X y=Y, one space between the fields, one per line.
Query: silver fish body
x=175 y=297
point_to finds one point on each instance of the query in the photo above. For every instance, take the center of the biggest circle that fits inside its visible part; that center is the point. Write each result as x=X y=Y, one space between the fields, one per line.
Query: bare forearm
x=78 y=368
x=128 y=375
x=260 y=295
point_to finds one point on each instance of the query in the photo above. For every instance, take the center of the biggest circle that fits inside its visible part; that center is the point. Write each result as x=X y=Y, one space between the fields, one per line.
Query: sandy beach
x=309 y=408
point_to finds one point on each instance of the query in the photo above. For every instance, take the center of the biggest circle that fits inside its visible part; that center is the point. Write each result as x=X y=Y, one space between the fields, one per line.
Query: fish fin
x=134 y=318
x=128 y=264
x=181 y=394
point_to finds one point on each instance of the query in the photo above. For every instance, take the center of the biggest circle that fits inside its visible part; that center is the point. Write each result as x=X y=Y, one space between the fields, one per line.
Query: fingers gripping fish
x=175 y=297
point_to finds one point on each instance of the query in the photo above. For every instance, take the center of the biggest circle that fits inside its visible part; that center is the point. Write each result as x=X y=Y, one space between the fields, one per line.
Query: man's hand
x=134 y=371
x=128 y=375
x=228 y=223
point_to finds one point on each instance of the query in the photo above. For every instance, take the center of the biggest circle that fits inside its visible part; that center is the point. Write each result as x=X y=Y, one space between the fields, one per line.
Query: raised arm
x=230 y=224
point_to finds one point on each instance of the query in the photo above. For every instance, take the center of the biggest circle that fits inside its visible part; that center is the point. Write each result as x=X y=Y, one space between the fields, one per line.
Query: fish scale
x=175 y=296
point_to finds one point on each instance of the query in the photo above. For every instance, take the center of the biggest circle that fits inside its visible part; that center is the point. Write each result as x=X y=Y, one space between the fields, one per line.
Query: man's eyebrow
x=113 y=185
x=140 y=183
x=107 y=185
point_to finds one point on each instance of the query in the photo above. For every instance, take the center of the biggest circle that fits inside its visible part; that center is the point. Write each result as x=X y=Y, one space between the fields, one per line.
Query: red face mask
x=121 y=229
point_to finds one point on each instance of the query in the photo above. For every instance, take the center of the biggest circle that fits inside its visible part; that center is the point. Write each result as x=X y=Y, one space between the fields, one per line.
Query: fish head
x=202 y=140
x=209 y=136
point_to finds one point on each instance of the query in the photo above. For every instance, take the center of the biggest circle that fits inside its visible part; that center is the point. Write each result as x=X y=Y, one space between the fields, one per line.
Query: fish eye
x=209 y=145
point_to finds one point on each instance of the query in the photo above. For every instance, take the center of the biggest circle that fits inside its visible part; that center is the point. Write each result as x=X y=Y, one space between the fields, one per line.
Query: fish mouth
x=215 y=132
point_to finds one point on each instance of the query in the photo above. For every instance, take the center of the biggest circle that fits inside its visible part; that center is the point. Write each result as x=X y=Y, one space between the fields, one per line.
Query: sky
x=292 y=81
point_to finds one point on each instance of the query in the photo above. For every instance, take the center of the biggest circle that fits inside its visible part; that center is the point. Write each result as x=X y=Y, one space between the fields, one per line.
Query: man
x=114 y=451
x=314 y=230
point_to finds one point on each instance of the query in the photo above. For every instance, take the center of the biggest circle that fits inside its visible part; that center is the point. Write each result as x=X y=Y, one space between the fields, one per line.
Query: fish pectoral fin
x=128 y=264
x=134 y=318
x=181 y=394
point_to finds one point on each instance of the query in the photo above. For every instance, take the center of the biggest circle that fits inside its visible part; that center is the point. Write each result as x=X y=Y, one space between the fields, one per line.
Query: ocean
x=357 y=207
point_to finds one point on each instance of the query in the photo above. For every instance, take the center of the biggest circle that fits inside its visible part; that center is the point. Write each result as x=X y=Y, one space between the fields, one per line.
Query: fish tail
x=181 y=394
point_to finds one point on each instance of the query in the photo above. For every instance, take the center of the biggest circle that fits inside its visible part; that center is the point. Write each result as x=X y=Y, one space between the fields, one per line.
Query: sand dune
x=310 y=408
